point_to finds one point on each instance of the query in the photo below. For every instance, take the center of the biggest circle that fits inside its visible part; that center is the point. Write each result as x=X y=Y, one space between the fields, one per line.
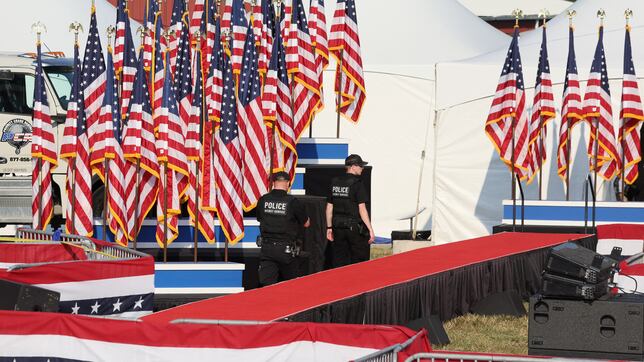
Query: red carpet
x=294 y=296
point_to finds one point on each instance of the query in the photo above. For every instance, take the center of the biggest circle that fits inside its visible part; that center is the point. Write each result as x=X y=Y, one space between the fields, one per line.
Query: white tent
x=470 y=180
x=18 y=16
x=400 y=44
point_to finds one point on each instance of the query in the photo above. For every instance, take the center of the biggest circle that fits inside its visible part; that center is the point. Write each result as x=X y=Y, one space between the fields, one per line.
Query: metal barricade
x=462 y=357
x=389 y=354
x=93 y=250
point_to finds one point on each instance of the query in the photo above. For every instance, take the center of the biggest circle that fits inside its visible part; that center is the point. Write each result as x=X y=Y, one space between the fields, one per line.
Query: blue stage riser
x=572 y=213
x=322 y=150
x=198 y=278
x=147 y=240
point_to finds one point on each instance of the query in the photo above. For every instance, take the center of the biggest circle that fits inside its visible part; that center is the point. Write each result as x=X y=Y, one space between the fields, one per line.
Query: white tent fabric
x=399 y=110
x=505 y=7
x=18 y=16
x=470 y=180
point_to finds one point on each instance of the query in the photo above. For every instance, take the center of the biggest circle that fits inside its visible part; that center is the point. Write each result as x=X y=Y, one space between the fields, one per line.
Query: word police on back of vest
x=340 y=191
x=275 y=208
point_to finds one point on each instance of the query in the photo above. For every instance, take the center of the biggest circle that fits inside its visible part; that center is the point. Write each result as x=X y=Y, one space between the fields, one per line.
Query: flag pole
x=544 y=13
x=571 y=14
x=339 y=95
x=517 y=14
x=228 y=39
x=277 y=5
x=75 y=27
x=165 y=176
x=627 y=14
x=110 y=31
x=195 y=248
x=601 y=14
x=39 y=28
x=143 y=31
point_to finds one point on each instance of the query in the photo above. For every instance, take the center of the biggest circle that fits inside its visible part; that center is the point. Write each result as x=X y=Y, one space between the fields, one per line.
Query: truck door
x=16 y=100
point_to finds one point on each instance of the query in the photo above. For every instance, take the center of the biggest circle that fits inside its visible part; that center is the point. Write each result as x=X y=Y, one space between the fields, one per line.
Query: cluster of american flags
x=519 y=136
x=212 y=105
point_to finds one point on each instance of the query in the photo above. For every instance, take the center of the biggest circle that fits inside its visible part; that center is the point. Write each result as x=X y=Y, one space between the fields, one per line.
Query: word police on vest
x=340 y=191
x=275 y=208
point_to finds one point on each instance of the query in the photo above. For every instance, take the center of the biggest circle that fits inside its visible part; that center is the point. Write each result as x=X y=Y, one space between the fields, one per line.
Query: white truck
x=17 y=72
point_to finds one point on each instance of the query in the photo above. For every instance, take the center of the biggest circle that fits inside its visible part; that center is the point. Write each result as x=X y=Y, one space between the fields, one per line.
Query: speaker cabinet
x=612 y=327
x=24 y=297
x=434 y=327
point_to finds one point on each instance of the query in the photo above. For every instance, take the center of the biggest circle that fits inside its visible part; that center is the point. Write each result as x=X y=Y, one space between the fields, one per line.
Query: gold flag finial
x=544 y=13
x=601 y=14
x=571 y=14
x=628 y=14
x=111 y=30
x=75 y=28
x=518 y=13
x=38 y=28
x=142 y=31
x=278 y=8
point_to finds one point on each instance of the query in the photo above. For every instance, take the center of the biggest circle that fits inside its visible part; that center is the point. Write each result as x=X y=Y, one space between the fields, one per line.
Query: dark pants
x=349 y=247
x=275 y=264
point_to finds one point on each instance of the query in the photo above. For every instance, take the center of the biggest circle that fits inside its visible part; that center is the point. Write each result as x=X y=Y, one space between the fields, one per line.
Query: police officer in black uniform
x=281 y=217
x=348 y=224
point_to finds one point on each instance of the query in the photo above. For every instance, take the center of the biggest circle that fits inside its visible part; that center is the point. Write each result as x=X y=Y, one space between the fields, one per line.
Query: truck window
x=16 y=94
x=61 y=80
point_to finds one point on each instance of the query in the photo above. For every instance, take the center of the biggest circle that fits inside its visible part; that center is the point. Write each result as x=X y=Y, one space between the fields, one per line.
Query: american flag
x=344 y=44
x=508 y=110
x=306 y=86
x=227 y=14
x=214 y=83
x=175 y=30
x=317 y=27
x=110 y=124
x=200 y=130
x=571 y=110
x=276 y=102
x=253 y=138
x=197 y=16
x=228 y=164
x=209 y=28
x=170 y=145
x=139 y=148
x=150 y=19
x=183 y=95
x=239 y=26
x=631 y=115
x=124 y=56
x=75 y=148
x=157 y=73
x=599 y=114
x=43 y=152
x=543 y=110
x=93 y=83
x=263 y=26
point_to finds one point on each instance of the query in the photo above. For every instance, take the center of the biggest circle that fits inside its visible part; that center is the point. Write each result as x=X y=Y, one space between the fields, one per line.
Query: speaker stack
x=576 y=316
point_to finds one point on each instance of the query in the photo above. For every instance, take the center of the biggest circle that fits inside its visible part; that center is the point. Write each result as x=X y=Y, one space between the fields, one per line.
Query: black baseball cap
x=281 y=176
x=355 y=160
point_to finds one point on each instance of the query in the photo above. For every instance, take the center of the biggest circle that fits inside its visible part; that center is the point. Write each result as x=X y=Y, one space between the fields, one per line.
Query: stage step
x=203 y=279
x=322 y=151
x=573 y=213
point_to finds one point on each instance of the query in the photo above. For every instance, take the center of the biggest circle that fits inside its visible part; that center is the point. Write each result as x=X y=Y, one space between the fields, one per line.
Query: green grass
x=477 y=333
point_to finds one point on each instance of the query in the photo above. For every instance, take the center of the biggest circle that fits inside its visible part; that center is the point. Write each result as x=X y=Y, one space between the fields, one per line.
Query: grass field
x=476 y=333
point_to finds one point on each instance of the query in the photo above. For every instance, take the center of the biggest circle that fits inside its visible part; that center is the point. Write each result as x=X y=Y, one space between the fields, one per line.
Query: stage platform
x=574 y=213
x=444 y=280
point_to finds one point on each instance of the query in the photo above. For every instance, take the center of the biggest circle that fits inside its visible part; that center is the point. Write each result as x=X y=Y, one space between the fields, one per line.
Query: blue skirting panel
x=319 y=151
x=146 y=239
x=573 y=213
x=198 y=278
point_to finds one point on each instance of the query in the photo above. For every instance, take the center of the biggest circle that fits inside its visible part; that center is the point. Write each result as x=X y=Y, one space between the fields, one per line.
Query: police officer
x=348 y=224
x=281 y=218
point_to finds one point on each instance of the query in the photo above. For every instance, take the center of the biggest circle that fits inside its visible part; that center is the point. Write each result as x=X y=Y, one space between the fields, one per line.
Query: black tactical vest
x=278 y=217
x=344 y=204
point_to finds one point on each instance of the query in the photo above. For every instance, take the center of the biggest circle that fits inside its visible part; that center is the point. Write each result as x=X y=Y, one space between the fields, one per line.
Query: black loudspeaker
x=508 y=302
x=574 y=261
x=434 y=327
x=562 y=287
x=609 y=328
x=18 y=296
